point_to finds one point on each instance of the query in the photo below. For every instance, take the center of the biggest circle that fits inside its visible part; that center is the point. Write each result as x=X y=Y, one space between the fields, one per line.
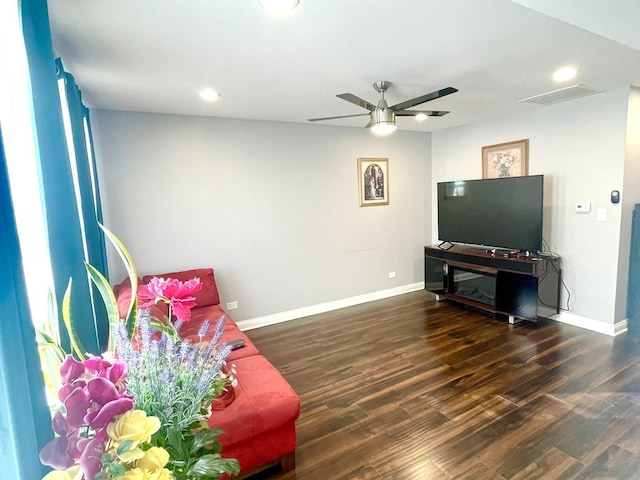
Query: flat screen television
x=497 y=212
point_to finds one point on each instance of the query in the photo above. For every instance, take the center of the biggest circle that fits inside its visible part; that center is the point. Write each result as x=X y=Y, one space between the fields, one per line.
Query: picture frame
x=510 y=159
x=373 y=181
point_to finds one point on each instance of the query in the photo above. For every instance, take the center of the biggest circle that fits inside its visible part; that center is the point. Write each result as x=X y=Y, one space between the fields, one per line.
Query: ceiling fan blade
x=350 y=97
x=428 y=113
x=333 y=118
x=422 y=99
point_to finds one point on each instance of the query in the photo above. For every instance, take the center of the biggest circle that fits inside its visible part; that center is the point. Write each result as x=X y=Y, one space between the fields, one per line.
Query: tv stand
x=490 y=280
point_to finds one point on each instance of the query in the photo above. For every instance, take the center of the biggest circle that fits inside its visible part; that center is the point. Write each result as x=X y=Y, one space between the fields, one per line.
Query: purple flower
x=76 y=405
x=55 y=454
x=219 y=330
x=98 y=419
x=102 y=391
x=71 y=370
x=115 y=372
x=203 y=329
x=92 y=395
x=91 y=458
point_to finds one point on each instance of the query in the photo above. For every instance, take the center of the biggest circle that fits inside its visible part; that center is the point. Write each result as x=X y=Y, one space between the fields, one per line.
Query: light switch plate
x=583 y=207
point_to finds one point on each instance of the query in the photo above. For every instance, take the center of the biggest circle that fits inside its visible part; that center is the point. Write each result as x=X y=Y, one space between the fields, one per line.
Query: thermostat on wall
x=583 y=207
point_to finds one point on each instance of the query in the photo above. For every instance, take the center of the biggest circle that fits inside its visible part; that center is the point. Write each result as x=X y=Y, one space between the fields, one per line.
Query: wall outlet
x=392 y=274
x=232 y=305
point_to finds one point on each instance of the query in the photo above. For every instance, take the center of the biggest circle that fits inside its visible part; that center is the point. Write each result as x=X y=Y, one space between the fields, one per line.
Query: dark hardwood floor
x=407 y=388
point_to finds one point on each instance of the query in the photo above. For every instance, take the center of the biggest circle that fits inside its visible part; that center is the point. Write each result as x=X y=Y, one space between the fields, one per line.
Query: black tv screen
x=498 y=212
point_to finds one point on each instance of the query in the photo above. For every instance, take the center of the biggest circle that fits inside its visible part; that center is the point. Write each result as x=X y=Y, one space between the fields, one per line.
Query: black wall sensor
x=615 y=196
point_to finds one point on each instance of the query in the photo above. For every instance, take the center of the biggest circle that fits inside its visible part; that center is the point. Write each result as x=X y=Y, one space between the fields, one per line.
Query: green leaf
x=206 y=437
x=131 y=271
x=212 y=465
x=76 y=344
x=124 y=447
x=165 y=327
x=117 y=470
x=174 y=437
x=109 y=299
x=178 y=445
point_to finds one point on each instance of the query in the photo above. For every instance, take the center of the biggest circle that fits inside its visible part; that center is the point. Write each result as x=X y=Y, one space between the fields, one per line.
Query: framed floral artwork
x=373 y=181
x=509 y=159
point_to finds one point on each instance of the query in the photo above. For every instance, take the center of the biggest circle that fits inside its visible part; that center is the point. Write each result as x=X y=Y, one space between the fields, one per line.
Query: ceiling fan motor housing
x=382 y=115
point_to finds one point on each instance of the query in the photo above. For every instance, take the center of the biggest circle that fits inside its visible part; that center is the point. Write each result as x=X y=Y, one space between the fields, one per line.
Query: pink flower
x=115 y=372
x=179 y=295
x=71 y=370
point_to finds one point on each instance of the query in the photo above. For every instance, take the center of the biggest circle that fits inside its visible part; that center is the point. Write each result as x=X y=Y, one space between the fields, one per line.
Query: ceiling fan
x=383 y=117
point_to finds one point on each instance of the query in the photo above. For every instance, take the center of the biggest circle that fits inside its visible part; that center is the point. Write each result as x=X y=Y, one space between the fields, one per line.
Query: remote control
x=235 y=344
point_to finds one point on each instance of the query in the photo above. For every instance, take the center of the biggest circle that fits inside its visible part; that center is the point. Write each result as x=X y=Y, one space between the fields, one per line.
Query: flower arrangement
x=139 y=411
x=100 y=435
x=502 y=161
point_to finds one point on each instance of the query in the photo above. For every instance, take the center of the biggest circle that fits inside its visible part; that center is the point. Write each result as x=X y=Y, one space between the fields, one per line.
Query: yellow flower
x=163 y=474
x=57 y=475
x=135 y=474
x=155 y=458
x=72 y=473
x=140 y=474
x=135 y=426
x=131 y=455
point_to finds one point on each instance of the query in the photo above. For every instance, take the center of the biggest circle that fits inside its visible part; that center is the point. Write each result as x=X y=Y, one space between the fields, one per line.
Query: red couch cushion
x=259 y=425
x=205 y=297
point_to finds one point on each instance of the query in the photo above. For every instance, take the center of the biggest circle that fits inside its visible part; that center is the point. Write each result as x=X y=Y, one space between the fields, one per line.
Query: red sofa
x=259 y=424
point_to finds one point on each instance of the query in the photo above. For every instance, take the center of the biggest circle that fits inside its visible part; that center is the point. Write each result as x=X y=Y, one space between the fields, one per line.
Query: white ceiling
x=155 y=55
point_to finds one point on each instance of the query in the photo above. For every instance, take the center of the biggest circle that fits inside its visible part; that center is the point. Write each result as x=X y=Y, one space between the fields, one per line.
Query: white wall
x=272 y=207
x=580 y=148
x=631 y=195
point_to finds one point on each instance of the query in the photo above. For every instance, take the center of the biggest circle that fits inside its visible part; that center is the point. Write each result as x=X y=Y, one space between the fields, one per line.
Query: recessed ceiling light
x=209 y=95
x=421 y=117
x=565 y=73
x=279 y=5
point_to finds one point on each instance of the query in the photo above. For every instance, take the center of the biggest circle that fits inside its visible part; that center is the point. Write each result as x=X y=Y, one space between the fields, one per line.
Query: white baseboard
x=266 y=320
x=610 y=329
x=563 y=317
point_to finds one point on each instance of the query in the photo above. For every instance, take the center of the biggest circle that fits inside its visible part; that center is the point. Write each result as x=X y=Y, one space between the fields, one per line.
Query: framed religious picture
x=509 y=159
x=373 y=181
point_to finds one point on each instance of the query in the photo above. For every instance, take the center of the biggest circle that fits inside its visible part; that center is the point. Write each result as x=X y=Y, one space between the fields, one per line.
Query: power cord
x=554 y=261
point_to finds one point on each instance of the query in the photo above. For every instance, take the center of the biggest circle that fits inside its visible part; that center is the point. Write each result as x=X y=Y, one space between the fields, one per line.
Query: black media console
x=491 y=281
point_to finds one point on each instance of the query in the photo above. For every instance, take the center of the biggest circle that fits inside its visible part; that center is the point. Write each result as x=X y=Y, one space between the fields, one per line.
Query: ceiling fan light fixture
x=383 y=121
x=383 y=129
x=278 y=5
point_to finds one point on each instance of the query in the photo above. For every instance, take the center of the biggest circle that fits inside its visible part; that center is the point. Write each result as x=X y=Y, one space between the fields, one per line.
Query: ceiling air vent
x=561 y=95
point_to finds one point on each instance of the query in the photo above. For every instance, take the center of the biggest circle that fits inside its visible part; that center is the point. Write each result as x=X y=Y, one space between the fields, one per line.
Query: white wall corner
x=611 y=329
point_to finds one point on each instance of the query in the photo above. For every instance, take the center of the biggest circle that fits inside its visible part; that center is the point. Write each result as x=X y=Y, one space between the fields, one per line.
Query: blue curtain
x=100 y=251
x=24 y=416
x=63 y=225
x=88 y=190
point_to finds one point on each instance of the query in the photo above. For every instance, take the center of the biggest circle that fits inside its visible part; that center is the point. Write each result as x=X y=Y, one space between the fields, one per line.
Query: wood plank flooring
x=408 y=388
